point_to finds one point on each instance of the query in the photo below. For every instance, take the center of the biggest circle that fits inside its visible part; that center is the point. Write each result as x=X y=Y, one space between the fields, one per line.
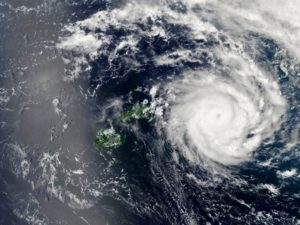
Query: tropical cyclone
x=223 y=110
x=224 y=118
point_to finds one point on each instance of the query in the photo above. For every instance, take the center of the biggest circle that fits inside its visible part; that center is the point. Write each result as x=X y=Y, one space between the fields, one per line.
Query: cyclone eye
x=218 y=115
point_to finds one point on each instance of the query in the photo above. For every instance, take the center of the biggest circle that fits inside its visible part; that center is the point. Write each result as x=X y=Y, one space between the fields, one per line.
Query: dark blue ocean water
x=141 y=182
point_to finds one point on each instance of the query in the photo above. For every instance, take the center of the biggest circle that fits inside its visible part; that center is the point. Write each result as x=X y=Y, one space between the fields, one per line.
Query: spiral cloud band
x=224 y=118
x=226 y=107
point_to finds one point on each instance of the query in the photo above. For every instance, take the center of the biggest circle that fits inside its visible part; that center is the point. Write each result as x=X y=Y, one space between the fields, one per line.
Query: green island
x=136 y=113
x=108 y=138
